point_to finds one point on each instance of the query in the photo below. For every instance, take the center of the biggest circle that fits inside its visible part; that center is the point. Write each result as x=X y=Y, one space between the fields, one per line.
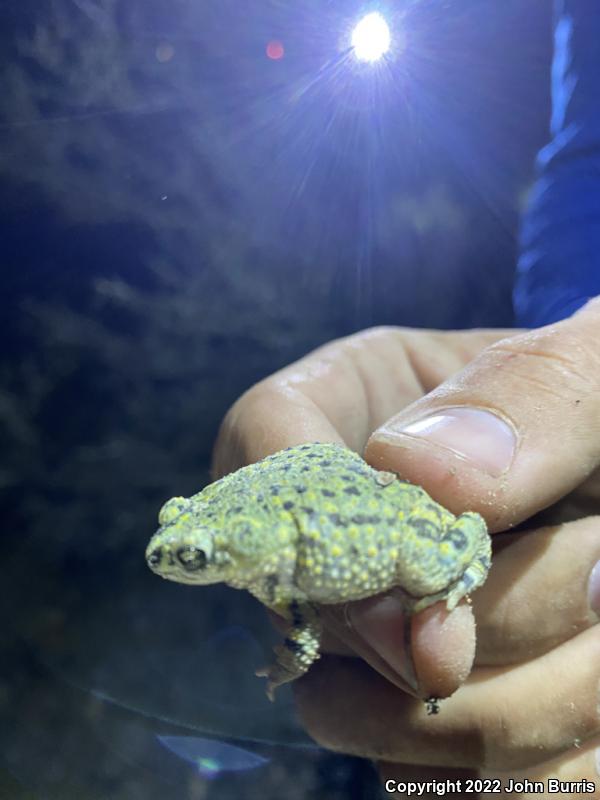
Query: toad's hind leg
x=470 y=527
x=300 y=647
x=449 y=559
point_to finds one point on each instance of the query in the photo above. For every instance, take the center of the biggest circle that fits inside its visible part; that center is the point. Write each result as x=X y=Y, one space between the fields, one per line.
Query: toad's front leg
x=300 y=647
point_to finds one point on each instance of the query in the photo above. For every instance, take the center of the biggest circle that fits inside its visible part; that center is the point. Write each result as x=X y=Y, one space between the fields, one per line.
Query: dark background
x=181 y=216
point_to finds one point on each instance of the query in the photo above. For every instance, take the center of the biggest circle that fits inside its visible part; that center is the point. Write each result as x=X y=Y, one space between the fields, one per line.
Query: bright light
x=371 y=37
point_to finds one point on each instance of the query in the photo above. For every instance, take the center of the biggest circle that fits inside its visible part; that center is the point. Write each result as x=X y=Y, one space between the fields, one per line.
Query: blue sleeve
x=559 y=263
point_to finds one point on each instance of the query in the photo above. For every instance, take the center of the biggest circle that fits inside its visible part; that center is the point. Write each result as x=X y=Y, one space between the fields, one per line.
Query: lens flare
x=211 y=757
x=371 y=37
x=275 y=50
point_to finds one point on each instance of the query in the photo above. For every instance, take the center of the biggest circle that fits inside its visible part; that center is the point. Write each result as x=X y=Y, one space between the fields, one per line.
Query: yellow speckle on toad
x=314 y=525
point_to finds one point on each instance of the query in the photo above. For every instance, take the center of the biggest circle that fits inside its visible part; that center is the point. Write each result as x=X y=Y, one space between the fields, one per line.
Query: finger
x=543 y=588
x=267 y=419
x=342 y=391
x=510 y=434
x=427 y=655
x=502 y=719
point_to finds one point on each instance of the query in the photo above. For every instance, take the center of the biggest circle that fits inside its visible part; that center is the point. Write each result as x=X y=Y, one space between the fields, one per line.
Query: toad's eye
x=191 y=558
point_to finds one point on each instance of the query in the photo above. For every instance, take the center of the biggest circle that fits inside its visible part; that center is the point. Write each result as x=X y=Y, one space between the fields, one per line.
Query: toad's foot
x=299 y=650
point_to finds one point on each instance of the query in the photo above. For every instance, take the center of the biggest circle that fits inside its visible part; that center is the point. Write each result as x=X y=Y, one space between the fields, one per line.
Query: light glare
x=371 y=37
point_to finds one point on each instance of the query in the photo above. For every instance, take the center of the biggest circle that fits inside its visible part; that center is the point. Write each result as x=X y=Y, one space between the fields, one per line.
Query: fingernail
x=594 y=589
x=475 y=434
x=386 y=629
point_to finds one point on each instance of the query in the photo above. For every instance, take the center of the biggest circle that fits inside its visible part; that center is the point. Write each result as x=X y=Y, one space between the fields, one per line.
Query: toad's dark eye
x=191 y=558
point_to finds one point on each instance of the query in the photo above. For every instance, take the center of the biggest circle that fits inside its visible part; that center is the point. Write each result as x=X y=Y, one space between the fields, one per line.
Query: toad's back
x=357 y=531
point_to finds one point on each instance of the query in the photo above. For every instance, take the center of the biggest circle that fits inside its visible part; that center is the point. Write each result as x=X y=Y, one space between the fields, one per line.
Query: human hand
x=533 y=692
x=341 y=393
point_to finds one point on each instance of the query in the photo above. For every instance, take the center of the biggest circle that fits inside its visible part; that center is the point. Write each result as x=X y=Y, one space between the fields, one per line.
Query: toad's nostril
x=154 y=558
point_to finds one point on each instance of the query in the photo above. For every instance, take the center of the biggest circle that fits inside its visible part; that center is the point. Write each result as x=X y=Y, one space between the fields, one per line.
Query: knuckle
x=566 y=361
x=374 y=333
x=232 y=445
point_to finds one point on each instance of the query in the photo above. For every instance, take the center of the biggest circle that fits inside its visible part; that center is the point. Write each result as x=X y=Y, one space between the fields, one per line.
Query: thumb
x=511 y=433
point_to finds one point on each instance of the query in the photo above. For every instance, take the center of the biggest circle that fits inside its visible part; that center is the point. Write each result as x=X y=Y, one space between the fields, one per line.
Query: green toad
x=315 y=524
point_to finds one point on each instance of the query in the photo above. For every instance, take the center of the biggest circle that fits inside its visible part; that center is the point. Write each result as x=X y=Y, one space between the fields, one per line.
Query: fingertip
x=443 y=648
x=428 y=655
x=338 y=691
